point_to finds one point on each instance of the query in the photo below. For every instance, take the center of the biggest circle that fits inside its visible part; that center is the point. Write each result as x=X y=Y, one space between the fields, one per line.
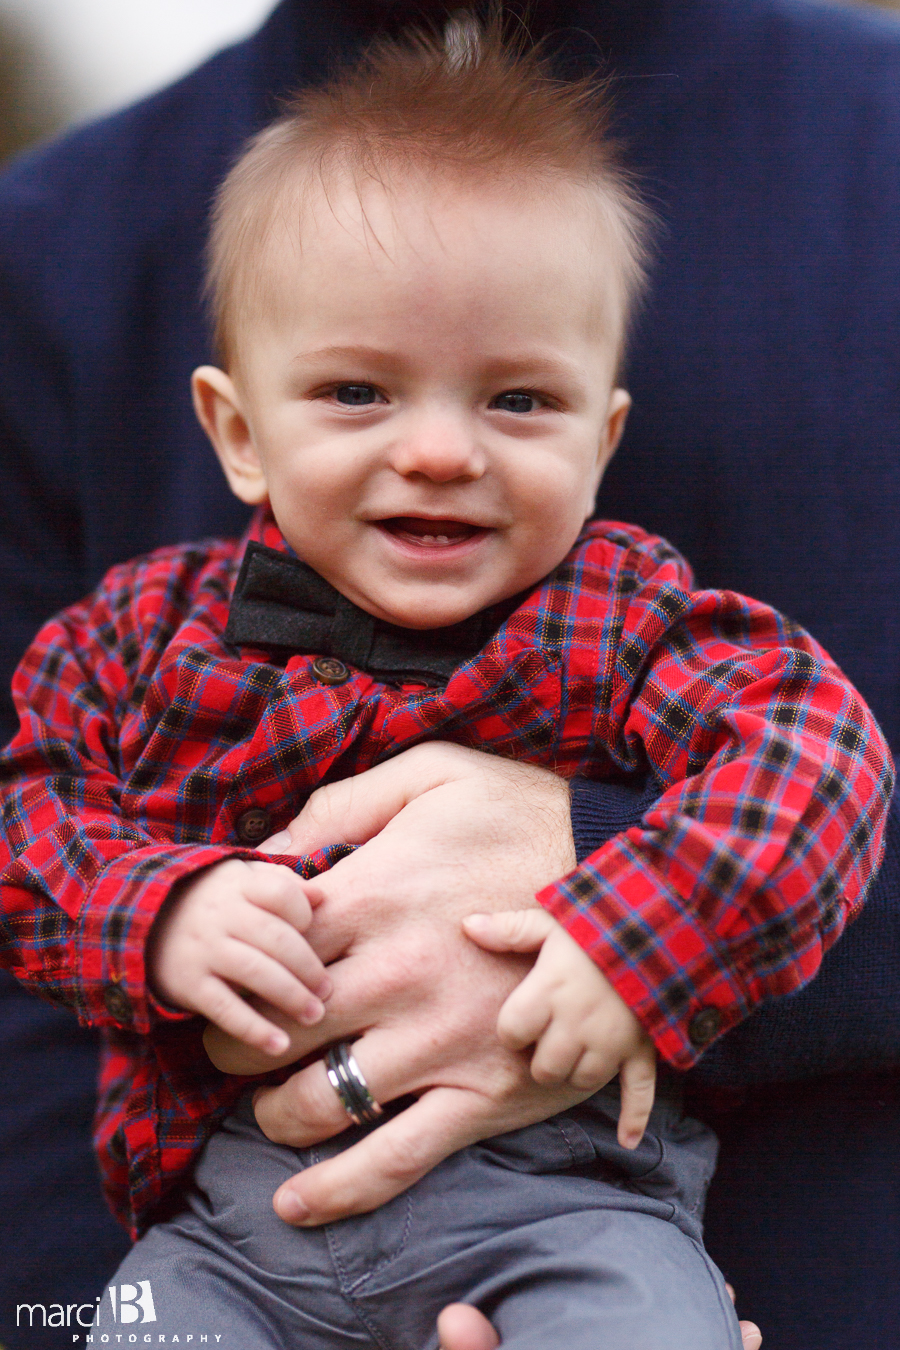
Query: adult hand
x=446 y=831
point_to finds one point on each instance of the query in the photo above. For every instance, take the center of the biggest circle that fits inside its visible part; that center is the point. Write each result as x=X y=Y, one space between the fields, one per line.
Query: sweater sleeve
x=774 y=784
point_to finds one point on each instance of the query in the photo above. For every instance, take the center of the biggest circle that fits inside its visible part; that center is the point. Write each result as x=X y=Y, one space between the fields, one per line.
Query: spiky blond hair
x=469 y=105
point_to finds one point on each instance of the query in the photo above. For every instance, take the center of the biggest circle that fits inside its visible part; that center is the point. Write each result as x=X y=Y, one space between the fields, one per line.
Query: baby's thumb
x=509 y=930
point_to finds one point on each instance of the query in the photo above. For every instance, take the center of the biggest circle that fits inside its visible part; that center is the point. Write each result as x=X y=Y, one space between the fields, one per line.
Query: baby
x=422 y=277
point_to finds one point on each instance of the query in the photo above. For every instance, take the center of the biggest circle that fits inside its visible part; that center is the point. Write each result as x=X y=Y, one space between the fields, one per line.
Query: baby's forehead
x=407 y=216
x=465 y=237
x=404 y=194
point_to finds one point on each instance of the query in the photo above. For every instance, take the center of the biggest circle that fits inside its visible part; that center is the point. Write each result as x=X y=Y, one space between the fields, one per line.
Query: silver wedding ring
x=346 y=1077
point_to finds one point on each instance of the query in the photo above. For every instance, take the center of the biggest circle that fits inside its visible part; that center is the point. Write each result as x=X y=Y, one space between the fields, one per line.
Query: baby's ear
x=219 y=411
x=616 y=415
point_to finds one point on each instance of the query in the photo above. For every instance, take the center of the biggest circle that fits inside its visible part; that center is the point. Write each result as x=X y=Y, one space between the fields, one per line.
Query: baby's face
x=428 y=403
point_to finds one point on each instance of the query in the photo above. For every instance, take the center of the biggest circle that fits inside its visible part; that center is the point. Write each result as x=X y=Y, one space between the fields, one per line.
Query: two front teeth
x=442 y=534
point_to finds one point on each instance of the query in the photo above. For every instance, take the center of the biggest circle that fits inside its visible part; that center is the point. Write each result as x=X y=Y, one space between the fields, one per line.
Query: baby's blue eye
x=355 y=395
x=515 y=401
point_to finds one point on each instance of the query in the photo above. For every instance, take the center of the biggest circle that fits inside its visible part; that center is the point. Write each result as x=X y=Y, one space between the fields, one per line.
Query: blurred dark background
x=65 y=61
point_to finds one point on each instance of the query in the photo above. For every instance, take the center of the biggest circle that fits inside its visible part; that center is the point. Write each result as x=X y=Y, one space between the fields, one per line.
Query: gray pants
x=560 y=1236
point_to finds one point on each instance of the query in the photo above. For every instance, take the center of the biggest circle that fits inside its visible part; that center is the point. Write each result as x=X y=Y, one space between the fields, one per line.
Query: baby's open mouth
x=430 y=533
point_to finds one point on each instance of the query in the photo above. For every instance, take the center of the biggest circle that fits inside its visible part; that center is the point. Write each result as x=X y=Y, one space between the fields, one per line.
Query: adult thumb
x=509 y=930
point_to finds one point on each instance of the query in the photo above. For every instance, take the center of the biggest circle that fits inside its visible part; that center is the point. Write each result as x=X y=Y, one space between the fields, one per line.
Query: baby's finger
x=509 y=930
x=592 y=1072
x=248 y=967
x=277 y=939
x=556 y=1056
x=275 y=888
x=637 y=1081
x=215 y=1000
x=523 y=1017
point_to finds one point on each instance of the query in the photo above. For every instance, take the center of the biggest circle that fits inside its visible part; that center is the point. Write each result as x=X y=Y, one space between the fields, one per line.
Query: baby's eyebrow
x=352 y=352
x=532 y=364
x=519 y=365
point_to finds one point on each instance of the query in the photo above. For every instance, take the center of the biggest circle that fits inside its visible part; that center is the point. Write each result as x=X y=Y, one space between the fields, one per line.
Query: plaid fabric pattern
x=144 y=738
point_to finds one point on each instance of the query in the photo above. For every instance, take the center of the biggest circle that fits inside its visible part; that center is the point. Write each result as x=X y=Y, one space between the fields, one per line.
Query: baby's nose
x=441 y=448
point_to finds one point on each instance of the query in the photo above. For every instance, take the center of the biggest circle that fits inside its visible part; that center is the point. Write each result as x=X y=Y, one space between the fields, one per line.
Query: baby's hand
x=237 y=927
x=585 y=1033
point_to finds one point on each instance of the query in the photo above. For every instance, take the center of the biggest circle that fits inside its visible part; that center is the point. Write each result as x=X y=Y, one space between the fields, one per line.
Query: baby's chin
x=425 y=609
x=418 y=621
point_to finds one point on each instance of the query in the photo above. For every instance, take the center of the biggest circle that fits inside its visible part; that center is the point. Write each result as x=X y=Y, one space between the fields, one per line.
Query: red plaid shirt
x=144 y=739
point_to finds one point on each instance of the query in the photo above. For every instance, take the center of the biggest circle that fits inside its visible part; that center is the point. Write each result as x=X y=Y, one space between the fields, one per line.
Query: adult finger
x=306 y=1108
x=384 y=1163
x=355 y=809
x=751 y=1336
x=637 y=1083
x=462 y=1327
x=357 y=1001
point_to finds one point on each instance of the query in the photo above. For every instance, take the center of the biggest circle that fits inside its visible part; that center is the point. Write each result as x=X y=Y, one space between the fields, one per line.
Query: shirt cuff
x=119 y=912
x=662 y=960
x=117 y=917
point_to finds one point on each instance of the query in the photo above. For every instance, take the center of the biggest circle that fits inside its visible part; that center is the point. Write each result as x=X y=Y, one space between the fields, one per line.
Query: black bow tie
x=281 y=604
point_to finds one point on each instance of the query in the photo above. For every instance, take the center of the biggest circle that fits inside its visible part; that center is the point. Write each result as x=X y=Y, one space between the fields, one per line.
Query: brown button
x=329 y=670
x=705 y=1026
x=118 y=1004
x=254 y=825
x=116 y=1145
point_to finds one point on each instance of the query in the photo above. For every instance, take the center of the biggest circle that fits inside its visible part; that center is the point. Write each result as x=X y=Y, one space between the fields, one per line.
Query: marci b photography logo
x=128 y=1305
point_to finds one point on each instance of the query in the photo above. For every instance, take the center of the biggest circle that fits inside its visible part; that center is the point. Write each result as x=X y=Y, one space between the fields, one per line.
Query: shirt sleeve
x=80 y=882
x=774 y=789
